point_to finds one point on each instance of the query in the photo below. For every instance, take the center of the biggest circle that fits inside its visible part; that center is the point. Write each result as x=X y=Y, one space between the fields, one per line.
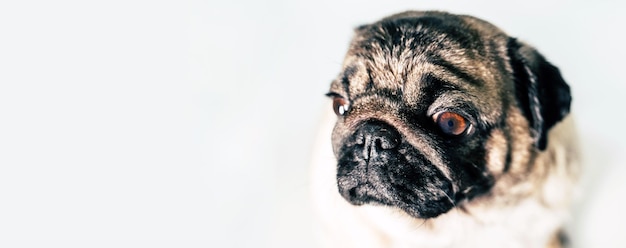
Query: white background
x=190 y=123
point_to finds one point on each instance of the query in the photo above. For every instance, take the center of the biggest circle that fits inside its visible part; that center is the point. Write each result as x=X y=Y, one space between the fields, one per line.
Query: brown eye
x=451 y=123
x=340 y=106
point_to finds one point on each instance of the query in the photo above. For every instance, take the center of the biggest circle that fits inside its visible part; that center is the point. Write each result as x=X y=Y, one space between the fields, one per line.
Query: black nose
x=375 y=137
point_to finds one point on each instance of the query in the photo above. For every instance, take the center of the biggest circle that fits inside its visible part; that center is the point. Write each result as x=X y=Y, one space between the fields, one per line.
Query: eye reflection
x=340 y=106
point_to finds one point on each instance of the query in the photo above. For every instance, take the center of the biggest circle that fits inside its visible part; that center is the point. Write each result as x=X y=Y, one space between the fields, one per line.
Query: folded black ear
x=543 y=95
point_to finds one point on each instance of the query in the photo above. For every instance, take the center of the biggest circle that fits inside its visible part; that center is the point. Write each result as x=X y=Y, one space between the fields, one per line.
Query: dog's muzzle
x=376 y=165
x=369 y=148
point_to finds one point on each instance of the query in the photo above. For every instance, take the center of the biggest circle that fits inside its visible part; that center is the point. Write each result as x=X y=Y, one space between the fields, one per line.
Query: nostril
x=387 y=141
x=352 y=193
x=378 y=143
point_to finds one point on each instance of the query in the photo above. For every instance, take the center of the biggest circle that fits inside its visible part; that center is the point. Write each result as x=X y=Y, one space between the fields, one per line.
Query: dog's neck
x=529 y=224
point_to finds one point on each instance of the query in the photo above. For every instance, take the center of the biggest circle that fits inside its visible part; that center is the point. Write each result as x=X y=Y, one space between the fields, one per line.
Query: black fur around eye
x=451 y=123
x=340 y=105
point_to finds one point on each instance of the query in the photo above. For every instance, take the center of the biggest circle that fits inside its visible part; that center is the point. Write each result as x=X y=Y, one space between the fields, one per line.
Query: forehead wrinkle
x=337 y=87
x=433 y=78
x=347 y=75
x=390 y=57
x=348 y=80
x=401 y=65
x=456 y=68
x=385 y=72
x=373 y=97
x=427 y=85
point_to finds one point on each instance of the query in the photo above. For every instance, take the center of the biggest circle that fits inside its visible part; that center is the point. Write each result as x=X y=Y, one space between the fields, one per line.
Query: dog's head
x=432 y=107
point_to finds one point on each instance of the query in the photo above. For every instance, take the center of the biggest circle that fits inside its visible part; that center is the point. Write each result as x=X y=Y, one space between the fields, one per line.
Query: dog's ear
x=543 y=95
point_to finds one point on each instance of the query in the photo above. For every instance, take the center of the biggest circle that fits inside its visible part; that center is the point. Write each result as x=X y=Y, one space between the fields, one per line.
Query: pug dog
x=447 y=133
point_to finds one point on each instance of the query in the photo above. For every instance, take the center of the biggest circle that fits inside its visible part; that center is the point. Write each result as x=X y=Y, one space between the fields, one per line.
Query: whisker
x=468 y=189
x=448 y=196
x=420 y=225
x=483 y=173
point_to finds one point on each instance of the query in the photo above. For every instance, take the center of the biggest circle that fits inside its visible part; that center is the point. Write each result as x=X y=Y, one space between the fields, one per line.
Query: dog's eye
x=451 y=123
x=340 y=106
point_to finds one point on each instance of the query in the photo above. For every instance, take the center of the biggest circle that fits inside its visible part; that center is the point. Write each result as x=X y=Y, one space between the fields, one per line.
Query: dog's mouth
x=363 y=194
x=420 y=203
x=372 y=170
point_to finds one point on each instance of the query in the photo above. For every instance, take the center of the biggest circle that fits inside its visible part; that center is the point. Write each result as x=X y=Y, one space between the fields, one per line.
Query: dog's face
x=432 y=107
